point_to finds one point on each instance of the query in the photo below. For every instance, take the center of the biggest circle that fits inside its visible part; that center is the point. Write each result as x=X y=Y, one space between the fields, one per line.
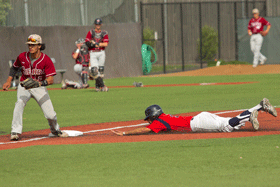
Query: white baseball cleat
x=267 y=107
x=254 y=119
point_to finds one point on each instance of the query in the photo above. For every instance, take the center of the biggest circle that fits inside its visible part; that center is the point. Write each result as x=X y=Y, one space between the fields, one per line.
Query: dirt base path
x=227 y=70
x=100 y=133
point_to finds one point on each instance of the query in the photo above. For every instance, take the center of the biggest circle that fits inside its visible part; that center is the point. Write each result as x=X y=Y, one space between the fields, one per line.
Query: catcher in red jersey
x=37 y=73
x=203 y=122
x=97 y=40
x=255 y=30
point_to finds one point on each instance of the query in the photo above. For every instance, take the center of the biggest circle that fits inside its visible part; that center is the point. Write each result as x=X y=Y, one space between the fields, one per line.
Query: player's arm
x=249 y=32
x=104 y=44
x=141 y=130
x=13 y=71
x=48 y=81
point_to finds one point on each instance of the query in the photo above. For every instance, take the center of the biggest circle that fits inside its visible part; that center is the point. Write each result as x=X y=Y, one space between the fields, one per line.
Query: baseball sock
x=244 y=116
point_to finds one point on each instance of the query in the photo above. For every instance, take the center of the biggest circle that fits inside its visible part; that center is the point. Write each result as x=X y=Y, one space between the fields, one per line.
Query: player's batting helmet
x=153 y=112
x=98 y=21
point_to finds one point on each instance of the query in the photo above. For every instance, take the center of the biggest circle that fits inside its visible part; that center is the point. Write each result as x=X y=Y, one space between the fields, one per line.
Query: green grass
x=214 y=162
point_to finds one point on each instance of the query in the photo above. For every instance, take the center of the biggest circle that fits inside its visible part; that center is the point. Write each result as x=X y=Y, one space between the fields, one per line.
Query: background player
x=203 y=122
x=38 y=69
x=97 y=40
x=81 y=55
x=255 y=30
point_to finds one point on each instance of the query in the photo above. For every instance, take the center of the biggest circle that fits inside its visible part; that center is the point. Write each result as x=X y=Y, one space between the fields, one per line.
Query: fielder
x=97 y=40
x=81 y=56
x=255 y=30
x=203 y=122
x=37 y=73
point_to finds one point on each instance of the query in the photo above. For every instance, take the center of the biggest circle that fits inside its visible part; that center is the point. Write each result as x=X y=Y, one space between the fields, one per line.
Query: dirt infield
x=100 y=133
x=227 y=70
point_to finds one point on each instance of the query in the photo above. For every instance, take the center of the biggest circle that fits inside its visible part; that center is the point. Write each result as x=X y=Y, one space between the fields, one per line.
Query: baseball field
x=100 y=158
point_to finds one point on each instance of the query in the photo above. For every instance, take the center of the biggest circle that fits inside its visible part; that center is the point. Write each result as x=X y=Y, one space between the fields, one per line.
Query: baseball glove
x=264 y=33
x=29 y=83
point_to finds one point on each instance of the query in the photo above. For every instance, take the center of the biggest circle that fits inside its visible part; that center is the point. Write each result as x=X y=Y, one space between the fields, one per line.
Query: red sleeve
x=249 y=24
x=265 y=22
x=156 y=126
x=89 y=36
x=105 y=39
x=49 y=67
x=17 y=63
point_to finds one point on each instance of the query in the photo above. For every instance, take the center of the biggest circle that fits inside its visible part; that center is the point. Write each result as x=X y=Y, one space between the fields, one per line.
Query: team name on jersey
x=256 y=24
x=28 y=71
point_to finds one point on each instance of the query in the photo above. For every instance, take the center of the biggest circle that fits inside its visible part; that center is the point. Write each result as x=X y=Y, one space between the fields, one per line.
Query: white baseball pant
x=42 y=97
x=208 y=122
x=256 y=45
x=97 y=59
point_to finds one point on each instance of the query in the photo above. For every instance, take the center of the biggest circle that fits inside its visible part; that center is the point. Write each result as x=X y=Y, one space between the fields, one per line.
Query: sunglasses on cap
x=31 y=40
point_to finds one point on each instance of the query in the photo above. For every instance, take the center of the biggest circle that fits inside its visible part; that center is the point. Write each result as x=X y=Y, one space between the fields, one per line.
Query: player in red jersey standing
x=255 y=30
x=203 y=122
x=39 y=67
x=97 y=40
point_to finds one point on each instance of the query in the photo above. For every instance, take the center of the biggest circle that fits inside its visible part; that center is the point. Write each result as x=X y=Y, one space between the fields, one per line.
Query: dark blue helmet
x=98 y=21
x=153 y=112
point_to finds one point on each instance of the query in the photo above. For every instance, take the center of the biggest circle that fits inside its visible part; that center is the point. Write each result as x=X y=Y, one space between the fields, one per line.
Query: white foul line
x=120 y=127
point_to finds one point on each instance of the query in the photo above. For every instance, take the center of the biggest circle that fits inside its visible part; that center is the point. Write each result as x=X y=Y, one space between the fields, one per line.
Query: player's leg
x=208 y=122
x=73 y=84
x=85 y=77
x=78 y=68
x=42 y=97
x=252 y=114
x=94 y=68
x=23 y=96
x=254 y=49
x=259 y=43
x=101 y=64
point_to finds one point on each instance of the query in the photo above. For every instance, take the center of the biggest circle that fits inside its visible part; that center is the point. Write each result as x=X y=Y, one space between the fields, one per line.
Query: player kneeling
x=203 y=122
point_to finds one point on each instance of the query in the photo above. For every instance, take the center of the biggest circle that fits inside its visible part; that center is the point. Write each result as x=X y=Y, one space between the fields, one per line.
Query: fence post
x=236 y=33
x=182 y=37
x=163 y=37
x=141 y=19
x=219 y=28
x=200 y=34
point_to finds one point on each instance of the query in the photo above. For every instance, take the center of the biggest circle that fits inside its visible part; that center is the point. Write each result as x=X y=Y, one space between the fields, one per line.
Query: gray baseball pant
x=42 y=97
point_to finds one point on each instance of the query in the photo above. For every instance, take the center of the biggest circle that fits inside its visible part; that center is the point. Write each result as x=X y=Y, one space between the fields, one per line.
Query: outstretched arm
x=141 y=130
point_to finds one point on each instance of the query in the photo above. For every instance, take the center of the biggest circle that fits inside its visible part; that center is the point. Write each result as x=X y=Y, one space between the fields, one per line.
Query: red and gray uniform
x=256 y=26
x=83 y=56
x=38 y=69
x=203 y=122
x=97 y=54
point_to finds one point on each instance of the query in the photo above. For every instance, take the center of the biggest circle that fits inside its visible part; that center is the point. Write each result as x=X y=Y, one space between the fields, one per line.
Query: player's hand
x=264 y=33
x=119 y=133
x=250 y=33
x=6 y=86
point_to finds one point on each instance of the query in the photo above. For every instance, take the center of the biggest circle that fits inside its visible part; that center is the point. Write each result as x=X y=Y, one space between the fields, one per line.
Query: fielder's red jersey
x=43 y=67
x=168 y=122
x=256 y=25
x=99 y=37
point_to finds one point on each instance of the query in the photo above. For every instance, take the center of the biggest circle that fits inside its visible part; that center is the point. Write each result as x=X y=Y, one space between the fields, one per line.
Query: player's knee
x=94 y=71
x=101 y=71
x=20 y=102
x=78 y=68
